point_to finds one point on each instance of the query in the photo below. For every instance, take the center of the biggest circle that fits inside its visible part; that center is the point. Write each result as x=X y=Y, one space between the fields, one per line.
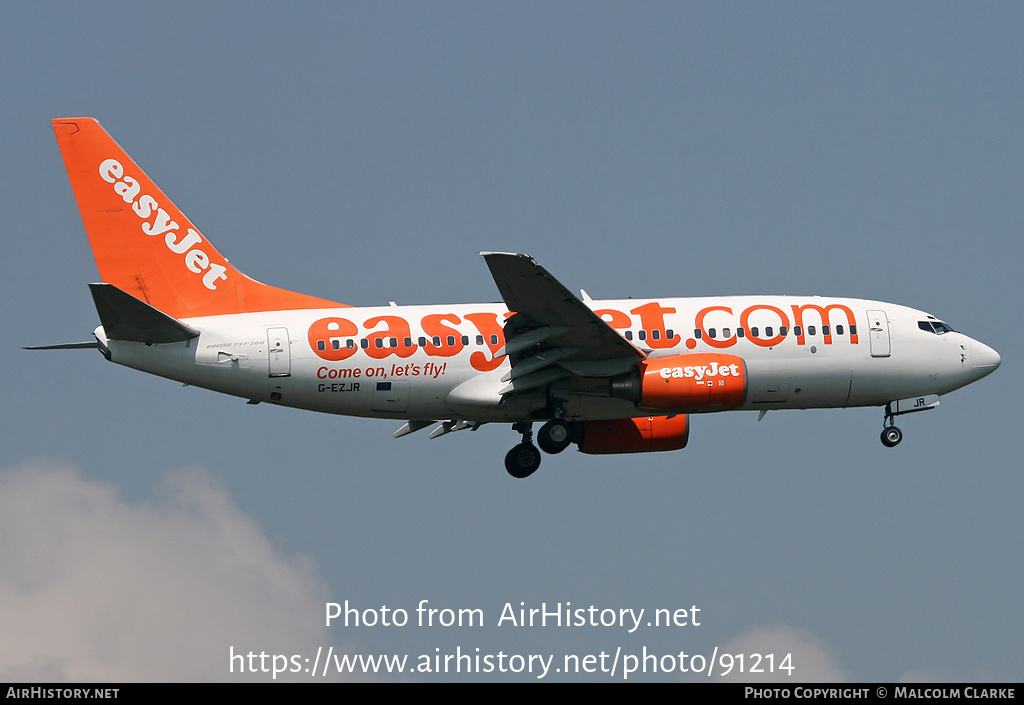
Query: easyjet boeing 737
x=619 y=376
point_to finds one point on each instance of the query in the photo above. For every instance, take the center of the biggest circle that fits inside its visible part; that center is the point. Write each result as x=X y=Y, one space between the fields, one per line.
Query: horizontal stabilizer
x=125 y=317
x=87 y=345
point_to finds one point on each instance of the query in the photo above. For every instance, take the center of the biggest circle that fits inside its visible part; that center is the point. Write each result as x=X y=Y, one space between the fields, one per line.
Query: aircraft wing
x=552 y=329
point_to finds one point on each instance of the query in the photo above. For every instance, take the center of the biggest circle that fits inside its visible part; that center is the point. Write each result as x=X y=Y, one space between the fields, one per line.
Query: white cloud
x=97 y=588
x=812 y=659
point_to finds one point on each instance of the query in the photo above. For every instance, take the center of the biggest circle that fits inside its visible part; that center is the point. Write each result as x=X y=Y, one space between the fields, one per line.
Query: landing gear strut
x=523 y=460
x=891 y=435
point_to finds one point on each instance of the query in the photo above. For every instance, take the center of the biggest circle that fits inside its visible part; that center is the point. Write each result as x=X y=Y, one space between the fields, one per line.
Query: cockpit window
x=934 y=326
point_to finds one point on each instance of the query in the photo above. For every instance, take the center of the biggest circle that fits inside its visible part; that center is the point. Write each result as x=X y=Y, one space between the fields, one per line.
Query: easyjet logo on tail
x=157 y=222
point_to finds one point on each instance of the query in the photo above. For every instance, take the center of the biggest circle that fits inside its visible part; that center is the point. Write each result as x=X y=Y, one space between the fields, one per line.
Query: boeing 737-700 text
x=620 y=376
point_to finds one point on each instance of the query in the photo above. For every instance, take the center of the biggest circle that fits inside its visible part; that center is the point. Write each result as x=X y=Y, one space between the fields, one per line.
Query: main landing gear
x=523 y=460
x=553 y=437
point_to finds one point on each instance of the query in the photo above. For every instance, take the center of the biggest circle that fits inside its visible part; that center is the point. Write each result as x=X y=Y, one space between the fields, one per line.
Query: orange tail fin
x=147 y=247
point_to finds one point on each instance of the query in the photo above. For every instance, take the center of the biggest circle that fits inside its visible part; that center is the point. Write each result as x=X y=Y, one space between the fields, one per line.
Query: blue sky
x=366 y=153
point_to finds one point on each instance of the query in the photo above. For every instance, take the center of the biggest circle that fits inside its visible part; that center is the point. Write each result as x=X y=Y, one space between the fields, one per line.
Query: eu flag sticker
x=383 y=386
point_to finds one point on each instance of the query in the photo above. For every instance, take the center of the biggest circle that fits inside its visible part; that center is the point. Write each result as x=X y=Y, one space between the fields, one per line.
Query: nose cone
x=984 y=360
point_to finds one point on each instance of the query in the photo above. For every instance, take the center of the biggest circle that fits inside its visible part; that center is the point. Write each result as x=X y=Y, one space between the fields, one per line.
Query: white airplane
x=619 y=376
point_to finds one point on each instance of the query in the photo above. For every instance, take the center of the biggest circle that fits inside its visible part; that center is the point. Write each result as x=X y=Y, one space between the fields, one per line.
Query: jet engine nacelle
x=640 y=435
x=697 y=382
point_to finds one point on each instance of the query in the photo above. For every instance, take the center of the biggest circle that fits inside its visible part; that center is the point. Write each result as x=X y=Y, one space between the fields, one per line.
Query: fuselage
x=439 y=362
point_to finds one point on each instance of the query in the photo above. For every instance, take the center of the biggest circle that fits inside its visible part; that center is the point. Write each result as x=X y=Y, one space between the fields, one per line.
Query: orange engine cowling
x=640 y=435
x=696 y=382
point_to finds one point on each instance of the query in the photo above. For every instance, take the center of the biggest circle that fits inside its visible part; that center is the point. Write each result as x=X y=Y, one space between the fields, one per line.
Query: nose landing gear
x=891 y=435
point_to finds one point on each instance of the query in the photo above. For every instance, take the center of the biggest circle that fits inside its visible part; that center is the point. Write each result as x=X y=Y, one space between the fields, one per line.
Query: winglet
x=144 y=245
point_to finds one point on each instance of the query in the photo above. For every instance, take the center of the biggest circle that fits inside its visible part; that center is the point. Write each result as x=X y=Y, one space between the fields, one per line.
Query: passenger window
x=378 y=343
x=824 y=330
x=797 y=331
x=364 y=343
x=437 y=341
x=768 y=331
x=668 y=334
x=712 y=333
x=839 y=330
x=479 y=340
x=725 y=333
x=451 y=341
x=423 y=342
x=336 y=344
x=782 y=331
x=810 y=330
x=629 y=335
x=350 y=344
x=320 y=345
x=753 y=332
x=697 y=333
x=394 y=342
x=642 y=335
x=494 y=340
x=853 y=329
x=655 y=334
x=741 y=333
